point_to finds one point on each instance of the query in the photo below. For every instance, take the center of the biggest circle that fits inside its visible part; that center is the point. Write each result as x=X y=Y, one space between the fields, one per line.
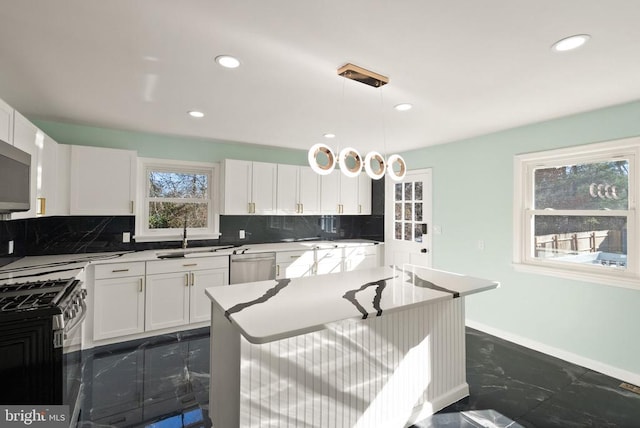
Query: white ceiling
x=468 y=67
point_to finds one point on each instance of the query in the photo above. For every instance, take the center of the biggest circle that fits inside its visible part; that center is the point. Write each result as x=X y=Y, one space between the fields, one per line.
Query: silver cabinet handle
x=119 y=270
x=140 y=285
x=190 y=264
x=186 y=279
x=193 y=279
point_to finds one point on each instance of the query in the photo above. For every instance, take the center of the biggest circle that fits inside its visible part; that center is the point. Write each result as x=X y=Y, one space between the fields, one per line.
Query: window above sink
x=173 y=195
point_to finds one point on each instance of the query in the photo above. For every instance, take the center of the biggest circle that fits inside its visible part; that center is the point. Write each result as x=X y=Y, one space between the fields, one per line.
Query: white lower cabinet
x=329 y=261
x=119 y=302
x=294 y=264
x=167 y=300
x=175 y=290
x=362 y=257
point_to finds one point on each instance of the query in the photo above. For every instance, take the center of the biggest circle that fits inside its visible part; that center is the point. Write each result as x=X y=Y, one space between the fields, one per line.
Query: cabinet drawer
x=292 y=256
x=119 y=270
x=365 y=250
x=187 y=264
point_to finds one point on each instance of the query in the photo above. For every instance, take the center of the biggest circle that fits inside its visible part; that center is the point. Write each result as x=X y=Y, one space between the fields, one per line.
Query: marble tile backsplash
x=92 y=234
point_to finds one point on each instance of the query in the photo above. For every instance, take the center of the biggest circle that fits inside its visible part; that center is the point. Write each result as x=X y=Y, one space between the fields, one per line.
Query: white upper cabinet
x=330 y=193
x=6 y=122
x=364 y=194
x=345 y=195
x=298 y=190
x=102 y=181
x=348 y=194
x=309 y=189
x=27 y=138
x=46 y=177
x=249 y=187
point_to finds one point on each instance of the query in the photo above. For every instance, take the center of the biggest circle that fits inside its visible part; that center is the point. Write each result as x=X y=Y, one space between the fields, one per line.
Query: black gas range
x=40 y=338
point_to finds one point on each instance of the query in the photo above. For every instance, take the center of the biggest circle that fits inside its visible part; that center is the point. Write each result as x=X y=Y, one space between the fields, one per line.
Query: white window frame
x=143 y=233
x=523 y=212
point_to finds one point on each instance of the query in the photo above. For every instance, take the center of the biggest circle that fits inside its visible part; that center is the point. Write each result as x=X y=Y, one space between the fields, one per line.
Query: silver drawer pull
x=120 y=270
x=190 y=264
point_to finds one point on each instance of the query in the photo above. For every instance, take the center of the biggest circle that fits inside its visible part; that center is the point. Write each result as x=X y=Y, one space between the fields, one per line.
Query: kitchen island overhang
x=376 y=347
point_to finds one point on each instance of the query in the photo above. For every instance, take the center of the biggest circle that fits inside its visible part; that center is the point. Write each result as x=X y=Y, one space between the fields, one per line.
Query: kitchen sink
x=178 y=253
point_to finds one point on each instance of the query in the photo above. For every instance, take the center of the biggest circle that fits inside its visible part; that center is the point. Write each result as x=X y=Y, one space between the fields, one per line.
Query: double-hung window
x=175 y=196
x=575 y=212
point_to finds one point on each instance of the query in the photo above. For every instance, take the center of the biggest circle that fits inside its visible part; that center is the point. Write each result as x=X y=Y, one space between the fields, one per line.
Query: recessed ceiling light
x=228 y=61
x=329 y=135
x=194 y=113
x=570 y=43
x=403 y=107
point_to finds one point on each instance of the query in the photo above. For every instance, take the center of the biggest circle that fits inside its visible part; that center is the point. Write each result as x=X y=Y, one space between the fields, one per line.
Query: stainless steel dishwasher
x=252 y=267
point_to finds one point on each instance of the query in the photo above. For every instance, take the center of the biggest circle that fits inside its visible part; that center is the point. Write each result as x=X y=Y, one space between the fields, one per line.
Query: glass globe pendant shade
x=321 y=159
x=374 y=165
x=396 y=167
x=350 y=162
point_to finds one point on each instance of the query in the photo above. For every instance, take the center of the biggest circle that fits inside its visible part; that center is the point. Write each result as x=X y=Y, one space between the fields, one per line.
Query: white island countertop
x=266 y=311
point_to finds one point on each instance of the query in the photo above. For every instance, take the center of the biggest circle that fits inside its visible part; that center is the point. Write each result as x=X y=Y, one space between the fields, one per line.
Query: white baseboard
x=615 y=372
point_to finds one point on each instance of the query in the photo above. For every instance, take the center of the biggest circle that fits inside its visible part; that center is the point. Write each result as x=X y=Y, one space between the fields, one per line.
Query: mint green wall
x=168 y=147
x=472 y=201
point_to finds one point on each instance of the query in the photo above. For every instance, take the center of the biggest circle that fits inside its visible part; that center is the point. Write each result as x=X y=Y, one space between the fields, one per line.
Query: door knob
x=424 y=250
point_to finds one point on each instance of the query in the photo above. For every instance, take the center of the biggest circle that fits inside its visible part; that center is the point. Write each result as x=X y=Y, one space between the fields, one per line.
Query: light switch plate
x=10 y=249
x=126 y=237
x=241 y=235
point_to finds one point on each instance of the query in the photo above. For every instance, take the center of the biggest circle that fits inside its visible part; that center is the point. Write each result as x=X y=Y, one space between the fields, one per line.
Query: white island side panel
x=380 y=372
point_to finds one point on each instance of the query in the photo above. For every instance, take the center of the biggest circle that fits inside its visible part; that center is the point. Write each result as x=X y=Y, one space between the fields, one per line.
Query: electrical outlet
x=10 y=249
x=481 y=245
x=437 y=230
x=126 y=237
x=241 y=234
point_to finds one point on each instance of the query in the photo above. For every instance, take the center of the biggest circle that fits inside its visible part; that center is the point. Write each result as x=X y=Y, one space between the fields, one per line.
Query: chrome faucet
x=184 y=233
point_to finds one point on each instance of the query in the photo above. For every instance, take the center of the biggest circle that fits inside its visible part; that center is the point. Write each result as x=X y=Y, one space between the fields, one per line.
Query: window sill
x=173 y=237
x=626 y=281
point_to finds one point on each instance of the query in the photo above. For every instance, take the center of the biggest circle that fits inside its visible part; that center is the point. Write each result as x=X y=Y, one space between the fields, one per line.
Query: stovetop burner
x=33 y=295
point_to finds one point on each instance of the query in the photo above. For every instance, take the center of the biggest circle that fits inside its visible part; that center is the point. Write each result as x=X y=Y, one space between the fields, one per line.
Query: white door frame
x=409 y=251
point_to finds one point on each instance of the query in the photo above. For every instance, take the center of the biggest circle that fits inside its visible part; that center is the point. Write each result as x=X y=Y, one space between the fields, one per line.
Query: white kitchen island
x=380 y=347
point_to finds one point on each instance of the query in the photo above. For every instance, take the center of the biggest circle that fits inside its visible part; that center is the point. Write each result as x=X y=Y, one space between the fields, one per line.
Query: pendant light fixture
x=323 y=160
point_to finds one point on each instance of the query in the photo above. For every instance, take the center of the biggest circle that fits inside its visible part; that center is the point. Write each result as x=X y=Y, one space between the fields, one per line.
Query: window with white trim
x=575 y=212
x=174 y=195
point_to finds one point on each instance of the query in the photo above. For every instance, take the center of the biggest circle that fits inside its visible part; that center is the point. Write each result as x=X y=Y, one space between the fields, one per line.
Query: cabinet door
x=349 y=195
x=330 y=193
x=118 y=307
x=287 y=190
x=167 y=300
x=47 y=202
x=27 y=139
x=200 y=305
x=236 y=194
x=364 y=194
x=102 y=181
x=309 y=191
x=364 y=257
x=263 y=188
x=328 y=261
x=6 y=122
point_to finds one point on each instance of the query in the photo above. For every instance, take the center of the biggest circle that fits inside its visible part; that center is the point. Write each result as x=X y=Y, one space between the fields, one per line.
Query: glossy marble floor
x=164 y=382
